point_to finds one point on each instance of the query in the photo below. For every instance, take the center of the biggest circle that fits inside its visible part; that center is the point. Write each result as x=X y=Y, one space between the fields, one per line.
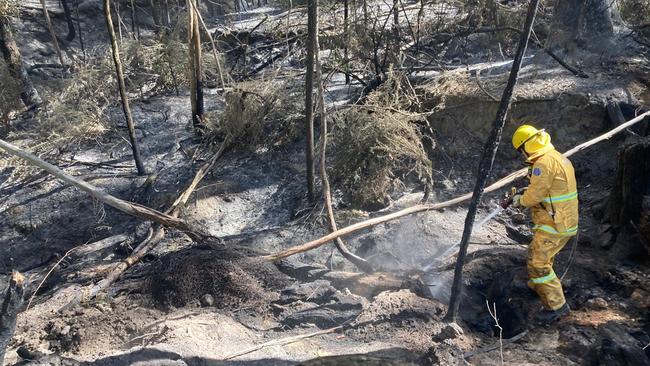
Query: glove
x=515 y=200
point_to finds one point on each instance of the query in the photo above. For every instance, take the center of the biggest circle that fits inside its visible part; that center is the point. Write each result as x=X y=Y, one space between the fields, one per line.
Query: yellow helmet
x=535 y=142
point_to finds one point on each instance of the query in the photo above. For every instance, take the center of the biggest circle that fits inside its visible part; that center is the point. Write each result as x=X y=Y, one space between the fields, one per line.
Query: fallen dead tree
x=426 y=207
x=9 y=308
x=131 y=208
x=154 y=237
x=159 y=232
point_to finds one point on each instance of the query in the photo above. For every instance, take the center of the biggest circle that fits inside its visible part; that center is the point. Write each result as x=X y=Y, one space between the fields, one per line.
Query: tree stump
x=13 y=299
x=581 y=24
x=632 y=183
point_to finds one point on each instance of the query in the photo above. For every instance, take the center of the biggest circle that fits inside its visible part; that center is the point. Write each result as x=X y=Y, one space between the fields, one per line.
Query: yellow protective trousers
x=541 y=276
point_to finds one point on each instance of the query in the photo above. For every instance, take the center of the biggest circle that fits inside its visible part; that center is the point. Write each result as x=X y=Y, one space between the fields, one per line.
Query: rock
x=447 y=331
x=597 y=303
x=65 y=331
x=27 y=354
x=518 y=235
x=445 y=354
x=641 y=298
x=207 y=300
x=519 y=218
x=607 y=236
x=348 y=300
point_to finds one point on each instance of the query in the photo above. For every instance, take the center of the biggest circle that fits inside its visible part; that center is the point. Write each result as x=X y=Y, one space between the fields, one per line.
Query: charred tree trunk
x=155 y=12
x=581 y=24
x=126 y=108
x=396 y=36
x=196 y=73
x=487 y=159
x=55 y=41
x=13 y=299
x=346 y=38
x=11 y=55
x=135 y=29
x=312 y=30
x=81 y=41
x=68 y=19
x=632 y=183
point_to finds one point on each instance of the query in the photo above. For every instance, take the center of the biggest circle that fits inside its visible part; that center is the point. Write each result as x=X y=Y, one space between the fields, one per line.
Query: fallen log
x=436 y=206
x=13 y=299
x=131 y=208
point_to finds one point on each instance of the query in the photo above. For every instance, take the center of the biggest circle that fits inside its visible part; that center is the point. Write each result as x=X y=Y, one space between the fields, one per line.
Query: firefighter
x=552 y=197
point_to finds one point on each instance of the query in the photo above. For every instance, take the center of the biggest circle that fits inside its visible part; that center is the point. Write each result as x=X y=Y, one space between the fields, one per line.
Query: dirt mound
x=399 y=316
x=230 y=276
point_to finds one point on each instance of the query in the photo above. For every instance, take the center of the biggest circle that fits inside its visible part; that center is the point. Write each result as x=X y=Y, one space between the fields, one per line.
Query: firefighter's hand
x=516 y=200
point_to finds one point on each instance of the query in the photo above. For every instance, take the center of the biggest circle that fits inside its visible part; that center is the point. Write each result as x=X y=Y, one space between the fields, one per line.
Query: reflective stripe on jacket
x=552 y=195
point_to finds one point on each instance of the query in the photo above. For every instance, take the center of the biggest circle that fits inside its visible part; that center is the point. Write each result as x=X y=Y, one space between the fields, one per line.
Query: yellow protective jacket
x=552 y=195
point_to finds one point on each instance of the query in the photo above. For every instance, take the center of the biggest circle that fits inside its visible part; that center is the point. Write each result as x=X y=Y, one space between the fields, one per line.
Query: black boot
x=550 y=316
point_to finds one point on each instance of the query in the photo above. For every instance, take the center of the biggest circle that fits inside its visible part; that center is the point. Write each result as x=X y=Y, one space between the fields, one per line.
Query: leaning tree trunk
x=632 y=183
x=581 y=24
x=13 y=299
x=11 y=55
x=126 y=108
x=487 y=159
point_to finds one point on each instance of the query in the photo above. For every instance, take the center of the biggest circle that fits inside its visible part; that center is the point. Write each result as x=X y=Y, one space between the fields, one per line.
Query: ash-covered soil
x=200 y=303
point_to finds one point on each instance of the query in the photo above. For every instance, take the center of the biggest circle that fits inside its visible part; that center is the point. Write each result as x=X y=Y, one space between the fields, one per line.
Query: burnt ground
x=197 y=303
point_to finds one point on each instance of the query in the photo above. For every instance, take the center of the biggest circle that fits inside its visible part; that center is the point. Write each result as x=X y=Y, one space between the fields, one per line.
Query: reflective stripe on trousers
x=551 y=230
x=548 y=278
